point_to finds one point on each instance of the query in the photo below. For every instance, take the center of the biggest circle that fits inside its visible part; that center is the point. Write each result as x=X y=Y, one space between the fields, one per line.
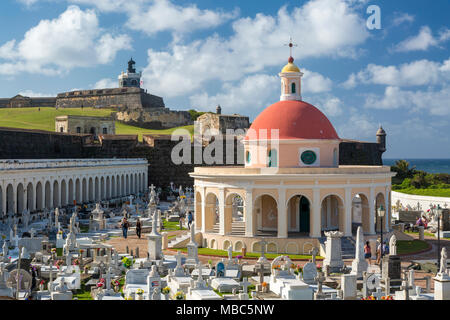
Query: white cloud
x=153 y=16
x=423 y=41
x=31 y=93
x=28 y=3
x=251 y=94
x=320 y=27
x=162 y=15
x=401 y=17
x=416 y=73
x=314 y=82
x=105 y=83
x=436 y=102
x=358 y=126
x=74 y=39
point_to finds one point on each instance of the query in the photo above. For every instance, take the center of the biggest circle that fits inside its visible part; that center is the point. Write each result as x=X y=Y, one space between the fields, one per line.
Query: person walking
x=138 y=228
x=125 y=226
x=368 y=253
x=190 y=219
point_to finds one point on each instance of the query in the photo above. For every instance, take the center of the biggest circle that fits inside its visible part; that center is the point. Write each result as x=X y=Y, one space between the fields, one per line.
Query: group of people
x=125 y=225
x=382 y=249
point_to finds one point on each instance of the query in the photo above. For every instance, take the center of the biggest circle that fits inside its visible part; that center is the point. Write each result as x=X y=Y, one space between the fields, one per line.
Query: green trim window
x=308 y=157
x=248 y=157
x=293 y=87
x=272 y=157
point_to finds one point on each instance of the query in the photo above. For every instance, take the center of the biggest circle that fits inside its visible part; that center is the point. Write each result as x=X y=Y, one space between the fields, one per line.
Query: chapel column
x=222 y=211
x=282 y=214
x=25 y=198
x=248 y=214
x=387 y=199
x=372 y=211
x=316 y=215
x=348 y=213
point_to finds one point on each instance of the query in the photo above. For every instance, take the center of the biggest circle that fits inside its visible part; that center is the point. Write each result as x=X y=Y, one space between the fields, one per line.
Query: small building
x=220 y=123
x=85 y=124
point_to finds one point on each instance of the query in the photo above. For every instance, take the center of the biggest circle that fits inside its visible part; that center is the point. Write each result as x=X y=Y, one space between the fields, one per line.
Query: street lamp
x=439 y=212
x=381 y=213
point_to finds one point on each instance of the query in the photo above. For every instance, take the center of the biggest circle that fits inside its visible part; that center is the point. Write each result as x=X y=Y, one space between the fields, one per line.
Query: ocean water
x=427 y=165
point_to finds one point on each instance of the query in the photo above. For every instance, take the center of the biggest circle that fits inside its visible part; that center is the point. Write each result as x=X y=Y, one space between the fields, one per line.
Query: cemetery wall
x=36 y=144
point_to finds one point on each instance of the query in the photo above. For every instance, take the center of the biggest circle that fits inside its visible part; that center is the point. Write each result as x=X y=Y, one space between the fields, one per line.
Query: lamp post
x=439 y=212
x=381 y=213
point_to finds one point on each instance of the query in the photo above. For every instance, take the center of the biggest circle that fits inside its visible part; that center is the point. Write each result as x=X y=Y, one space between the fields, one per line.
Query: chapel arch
x=332 y=213
x=299 y=214
x=265 y=211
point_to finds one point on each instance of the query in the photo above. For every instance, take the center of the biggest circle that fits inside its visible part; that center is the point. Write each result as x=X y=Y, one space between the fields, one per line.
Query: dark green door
x=304 y=215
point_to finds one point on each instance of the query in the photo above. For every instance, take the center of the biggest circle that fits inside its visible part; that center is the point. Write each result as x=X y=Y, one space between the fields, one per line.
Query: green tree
x=403 y=170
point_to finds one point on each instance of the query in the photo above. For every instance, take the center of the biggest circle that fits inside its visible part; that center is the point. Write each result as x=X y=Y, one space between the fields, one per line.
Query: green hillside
x=32 y=118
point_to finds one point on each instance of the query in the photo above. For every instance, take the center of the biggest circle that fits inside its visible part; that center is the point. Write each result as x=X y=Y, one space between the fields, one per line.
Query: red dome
x=295 y=120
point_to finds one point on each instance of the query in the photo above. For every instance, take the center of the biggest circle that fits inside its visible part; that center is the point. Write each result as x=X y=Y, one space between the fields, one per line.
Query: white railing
x=67 y=163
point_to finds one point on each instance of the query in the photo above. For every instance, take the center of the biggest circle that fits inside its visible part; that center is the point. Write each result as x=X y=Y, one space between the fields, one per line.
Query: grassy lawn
x=171 y=226
x=406 y=247
x=426 y=192
x=223 y=253
x=429 y=234
x=31 y=118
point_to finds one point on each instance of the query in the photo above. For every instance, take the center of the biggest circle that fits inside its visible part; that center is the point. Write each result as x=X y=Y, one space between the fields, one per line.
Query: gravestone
x=154 y=242
x=359 y=264
x=348 y=286
x=309 y=273
x=333 y=251
x=192 y=259
x=392 y=264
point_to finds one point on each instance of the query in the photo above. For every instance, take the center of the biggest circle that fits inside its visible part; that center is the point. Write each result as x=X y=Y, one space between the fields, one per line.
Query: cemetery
x=292 y=224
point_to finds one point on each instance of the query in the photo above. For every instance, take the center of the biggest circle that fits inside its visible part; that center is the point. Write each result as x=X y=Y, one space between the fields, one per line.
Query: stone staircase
x=237 y=228
x=180 y=241
x=348 y=246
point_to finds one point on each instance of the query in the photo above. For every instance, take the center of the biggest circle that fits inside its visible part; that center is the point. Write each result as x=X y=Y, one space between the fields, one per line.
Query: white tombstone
x=154 y=242
x=333 y=251
x=393 y=245
x=309 y=273
x=192 y=259
x=359 y=264
x=348 y=286
x=153 y=281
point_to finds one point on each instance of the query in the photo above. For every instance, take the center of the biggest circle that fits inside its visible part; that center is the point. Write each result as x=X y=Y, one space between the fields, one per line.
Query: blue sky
x=203 y=53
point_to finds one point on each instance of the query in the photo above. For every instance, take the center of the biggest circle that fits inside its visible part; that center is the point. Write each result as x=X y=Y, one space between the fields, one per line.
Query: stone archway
x=266 y=212
x=360 y=213
x=39 y=196
x=211 y=211
x=299 y=214
x=234 y=214
x=10 y=200
x=20 y=198
x=91 y=190
x=78 y=191
x=47 y=204
x=333 y=215
x=71 y=193
x=63 y=193
x=380 y=202
x=30 y=197
x=56 y=194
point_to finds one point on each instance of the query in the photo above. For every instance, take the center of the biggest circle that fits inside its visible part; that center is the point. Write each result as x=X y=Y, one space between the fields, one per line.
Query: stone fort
x=133 y=105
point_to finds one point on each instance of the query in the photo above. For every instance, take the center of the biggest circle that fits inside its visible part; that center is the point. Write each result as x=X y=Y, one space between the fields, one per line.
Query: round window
x=308 y=157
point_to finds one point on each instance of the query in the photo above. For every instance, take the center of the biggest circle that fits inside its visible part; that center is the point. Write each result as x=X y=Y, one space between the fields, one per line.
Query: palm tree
x=403 y=170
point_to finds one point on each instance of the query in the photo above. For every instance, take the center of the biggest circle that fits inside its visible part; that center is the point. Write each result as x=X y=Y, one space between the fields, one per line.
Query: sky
x=199 y=54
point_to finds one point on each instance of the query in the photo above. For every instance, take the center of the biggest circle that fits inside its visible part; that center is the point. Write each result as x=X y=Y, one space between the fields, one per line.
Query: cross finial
x=291 y=45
